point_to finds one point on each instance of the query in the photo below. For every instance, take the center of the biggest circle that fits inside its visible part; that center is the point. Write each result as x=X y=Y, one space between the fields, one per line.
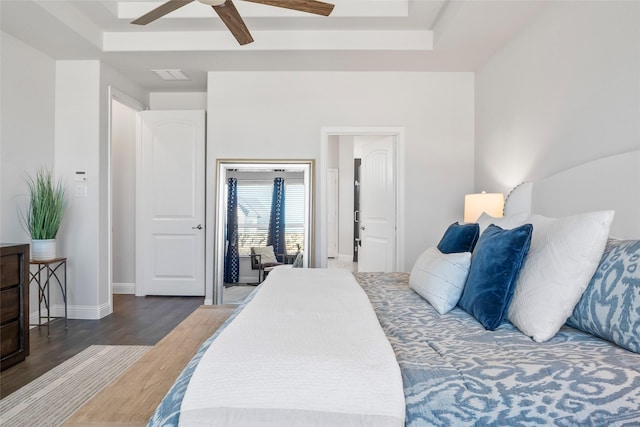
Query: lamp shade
x=475 y=204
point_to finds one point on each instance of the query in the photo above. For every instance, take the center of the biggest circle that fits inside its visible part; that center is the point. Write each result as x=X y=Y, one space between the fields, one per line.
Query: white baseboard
x=57 y=310
x=33 y=319
x=345 y=257
x=73 y=312
x=124 y=288
x=90 y=312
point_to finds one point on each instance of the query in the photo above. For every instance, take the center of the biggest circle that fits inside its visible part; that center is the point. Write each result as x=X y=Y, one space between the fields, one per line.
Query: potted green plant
x=47 y=203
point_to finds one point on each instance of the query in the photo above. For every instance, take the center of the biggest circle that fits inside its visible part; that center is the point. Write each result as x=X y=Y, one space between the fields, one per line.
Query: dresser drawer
x=10 y=338
x=14 y=303
x=9 y=305
x=10 y=271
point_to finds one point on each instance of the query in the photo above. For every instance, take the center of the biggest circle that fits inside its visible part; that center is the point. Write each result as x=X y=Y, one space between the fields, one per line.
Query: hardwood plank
x=134 y=321
x=132 y=398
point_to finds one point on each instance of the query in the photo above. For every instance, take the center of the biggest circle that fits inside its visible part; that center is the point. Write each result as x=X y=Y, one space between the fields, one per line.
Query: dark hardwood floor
x=134 y=321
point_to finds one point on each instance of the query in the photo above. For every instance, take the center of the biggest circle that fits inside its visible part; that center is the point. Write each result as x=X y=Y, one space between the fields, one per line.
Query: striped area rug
x=53 y=397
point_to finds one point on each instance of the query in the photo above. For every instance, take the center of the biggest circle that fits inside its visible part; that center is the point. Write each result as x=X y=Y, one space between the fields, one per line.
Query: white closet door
x=171 y=203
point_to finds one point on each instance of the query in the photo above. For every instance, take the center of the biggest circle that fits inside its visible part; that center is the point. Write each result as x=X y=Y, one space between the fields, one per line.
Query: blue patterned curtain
x=276 y=219
x=231 y=259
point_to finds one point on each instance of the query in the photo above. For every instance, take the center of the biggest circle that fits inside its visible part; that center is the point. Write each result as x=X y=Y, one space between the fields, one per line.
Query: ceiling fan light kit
x=229 y=15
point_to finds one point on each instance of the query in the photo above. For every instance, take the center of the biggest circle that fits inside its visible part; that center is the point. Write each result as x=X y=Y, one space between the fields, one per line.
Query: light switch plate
x=81 y=190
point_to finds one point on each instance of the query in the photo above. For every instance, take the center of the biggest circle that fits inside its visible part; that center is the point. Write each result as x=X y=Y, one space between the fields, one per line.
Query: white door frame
x=325 y=134
x=137 y=106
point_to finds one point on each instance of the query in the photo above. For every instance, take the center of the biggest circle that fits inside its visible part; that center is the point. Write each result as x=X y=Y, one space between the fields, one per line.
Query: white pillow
x=505 y=222
x=439 y=278
x=266 y=255
x=563 y=256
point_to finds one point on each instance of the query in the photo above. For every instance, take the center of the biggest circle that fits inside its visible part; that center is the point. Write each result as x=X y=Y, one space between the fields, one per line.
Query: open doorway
x=123 y=116
x=362 y=222
x=251 y=215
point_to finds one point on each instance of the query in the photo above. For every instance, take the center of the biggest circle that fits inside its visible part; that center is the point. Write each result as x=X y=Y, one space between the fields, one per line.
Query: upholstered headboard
x=608 y=183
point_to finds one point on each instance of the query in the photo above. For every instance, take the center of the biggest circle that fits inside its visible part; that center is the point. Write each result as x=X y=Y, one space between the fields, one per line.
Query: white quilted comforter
x=307 y=350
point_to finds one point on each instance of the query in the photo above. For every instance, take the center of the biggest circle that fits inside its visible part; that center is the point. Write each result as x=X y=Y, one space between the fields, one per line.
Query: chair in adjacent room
x=264 y=260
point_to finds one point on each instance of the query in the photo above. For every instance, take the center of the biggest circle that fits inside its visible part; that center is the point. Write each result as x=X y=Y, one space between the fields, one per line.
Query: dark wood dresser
x=14 y=304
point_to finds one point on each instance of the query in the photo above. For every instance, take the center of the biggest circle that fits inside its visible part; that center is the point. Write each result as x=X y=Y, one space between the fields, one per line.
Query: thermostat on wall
x=81 y=176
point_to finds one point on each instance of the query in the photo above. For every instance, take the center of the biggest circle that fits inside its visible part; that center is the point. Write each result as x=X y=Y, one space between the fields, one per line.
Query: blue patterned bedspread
x=456 y=373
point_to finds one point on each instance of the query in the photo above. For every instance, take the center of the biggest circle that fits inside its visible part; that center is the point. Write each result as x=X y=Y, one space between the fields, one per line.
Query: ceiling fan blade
x=229 y=14
x=160 y=11
x=309 y=6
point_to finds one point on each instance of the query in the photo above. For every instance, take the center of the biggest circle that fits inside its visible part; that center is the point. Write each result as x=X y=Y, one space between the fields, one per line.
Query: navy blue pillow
x=459 y=238
x=495 y=266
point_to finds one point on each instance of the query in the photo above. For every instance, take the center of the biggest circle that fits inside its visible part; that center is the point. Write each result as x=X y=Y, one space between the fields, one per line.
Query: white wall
x=123 y=163
x=178 y=101
x=333 y=196
x=280 y=115
x=55 y=113
x=77 y=139
x=565 y=91
x=26 y=134
x=27 y=91
x=82 y=144
x=333 y=152
x=345 y=199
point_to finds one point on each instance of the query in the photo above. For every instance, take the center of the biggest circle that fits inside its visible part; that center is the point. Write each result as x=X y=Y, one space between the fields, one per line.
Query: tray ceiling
x=371 y=35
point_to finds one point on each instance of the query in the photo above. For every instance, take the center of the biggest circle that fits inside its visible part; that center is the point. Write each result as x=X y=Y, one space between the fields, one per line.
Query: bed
x=457 y=373
x=319 y=347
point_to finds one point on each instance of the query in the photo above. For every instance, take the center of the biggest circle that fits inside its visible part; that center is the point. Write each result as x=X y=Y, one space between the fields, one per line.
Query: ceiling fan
x=228 y=13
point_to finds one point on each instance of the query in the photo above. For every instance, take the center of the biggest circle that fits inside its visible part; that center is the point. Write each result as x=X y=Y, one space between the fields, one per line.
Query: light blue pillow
x=439 y=278
x=495 y=266
x=610 y=306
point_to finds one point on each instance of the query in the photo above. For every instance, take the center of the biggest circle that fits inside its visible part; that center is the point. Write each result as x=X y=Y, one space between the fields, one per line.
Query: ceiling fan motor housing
x=212 y=2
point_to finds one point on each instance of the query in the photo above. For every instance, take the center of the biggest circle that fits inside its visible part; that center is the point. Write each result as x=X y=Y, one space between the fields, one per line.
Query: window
x=254 y=210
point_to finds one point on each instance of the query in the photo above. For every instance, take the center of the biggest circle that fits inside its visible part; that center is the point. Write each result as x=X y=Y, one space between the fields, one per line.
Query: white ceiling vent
x=171 y=74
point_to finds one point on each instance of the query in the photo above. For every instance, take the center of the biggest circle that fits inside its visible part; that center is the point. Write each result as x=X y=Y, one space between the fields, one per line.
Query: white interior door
x=171 y=201
x=332 y=213
x=377 y=203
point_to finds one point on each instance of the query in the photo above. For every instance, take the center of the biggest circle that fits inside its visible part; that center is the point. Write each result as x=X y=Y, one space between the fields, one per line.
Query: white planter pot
x=43 y=250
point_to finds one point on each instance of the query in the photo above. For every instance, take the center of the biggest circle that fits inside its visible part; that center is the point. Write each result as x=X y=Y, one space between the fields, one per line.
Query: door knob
x=362 y=228
x=197 y=227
